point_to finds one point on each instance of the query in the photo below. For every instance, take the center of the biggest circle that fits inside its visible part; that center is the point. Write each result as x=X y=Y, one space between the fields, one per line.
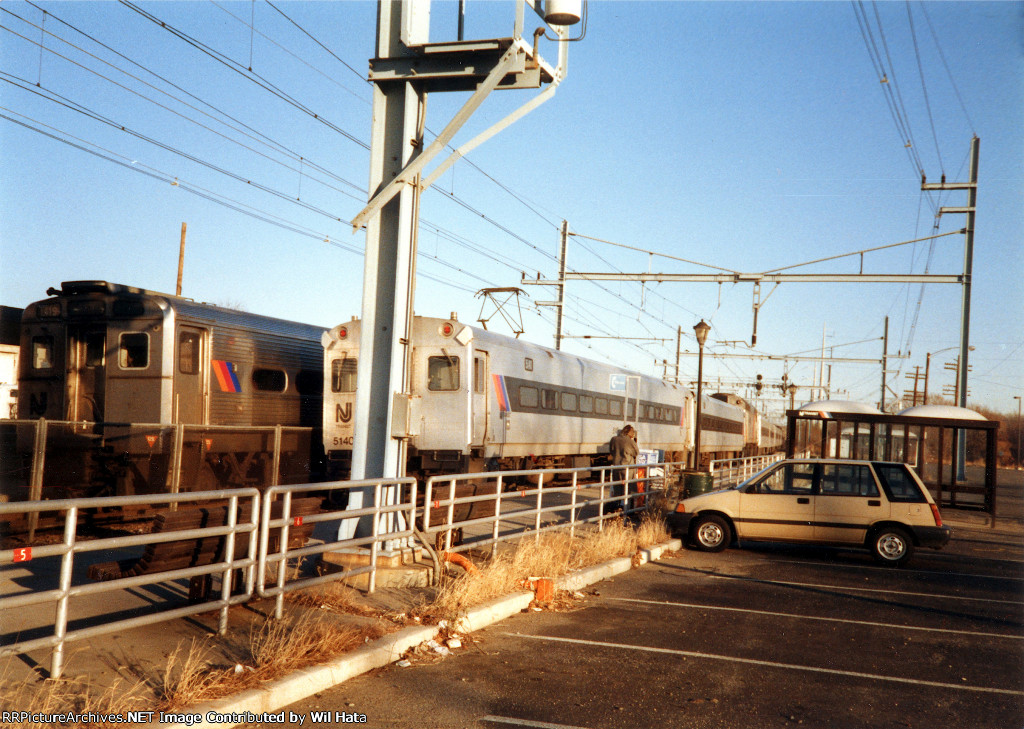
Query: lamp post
x=700 y=330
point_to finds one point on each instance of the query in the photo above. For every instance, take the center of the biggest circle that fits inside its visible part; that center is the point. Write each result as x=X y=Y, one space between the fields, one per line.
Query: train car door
x=478 y=397
x=87 y=377
x=190 y=375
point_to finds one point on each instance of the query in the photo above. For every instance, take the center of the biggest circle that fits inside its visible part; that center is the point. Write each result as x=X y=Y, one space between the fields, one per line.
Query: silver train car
x=760 y=437
x=115 y=355
x=482 y=401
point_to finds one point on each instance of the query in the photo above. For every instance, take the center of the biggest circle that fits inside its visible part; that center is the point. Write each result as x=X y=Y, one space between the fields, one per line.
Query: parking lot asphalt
x=765 y=636
x=762 y=636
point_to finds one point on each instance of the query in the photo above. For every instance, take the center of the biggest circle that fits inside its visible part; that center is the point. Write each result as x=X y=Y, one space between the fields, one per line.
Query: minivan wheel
x=711 y=533
x=891 y=546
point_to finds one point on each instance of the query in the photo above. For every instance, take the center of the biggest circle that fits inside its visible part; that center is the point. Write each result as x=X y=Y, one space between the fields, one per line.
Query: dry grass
x=70 y=697
x=547 y=555
x=275 y=648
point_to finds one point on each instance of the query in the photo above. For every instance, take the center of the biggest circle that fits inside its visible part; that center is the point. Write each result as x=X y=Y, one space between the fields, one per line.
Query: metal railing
x=70 y=548
x=387 y=500
x=731 y=471
x=511 y=508
x=560 y=498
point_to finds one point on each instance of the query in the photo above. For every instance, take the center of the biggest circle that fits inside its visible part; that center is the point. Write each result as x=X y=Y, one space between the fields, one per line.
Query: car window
x=847 y=479
x=790 y=478
x=898 y=482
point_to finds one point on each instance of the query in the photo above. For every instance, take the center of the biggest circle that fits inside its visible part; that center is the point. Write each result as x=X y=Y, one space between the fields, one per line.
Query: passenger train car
x=482 y=401
x=111 y=355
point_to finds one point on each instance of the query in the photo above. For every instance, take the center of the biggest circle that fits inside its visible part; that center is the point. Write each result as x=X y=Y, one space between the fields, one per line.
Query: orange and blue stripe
x=226 y=377
x=501 y=391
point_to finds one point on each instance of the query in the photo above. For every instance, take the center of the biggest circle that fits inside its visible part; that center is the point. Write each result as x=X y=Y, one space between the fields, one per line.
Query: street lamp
x=700 y=330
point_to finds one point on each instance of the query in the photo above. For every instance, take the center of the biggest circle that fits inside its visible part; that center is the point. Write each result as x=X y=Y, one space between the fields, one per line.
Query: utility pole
x=679 y=341
x=561 y=284
x=915 y=376
x=965 y=303
x=181 y=260
x=885 y=355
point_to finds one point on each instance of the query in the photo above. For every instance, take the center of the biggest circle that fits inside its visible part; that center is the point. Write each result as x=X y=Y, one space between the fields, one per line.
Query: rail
x=70 y=548
x=387 y=500
x=731 y=471
x=497 y=506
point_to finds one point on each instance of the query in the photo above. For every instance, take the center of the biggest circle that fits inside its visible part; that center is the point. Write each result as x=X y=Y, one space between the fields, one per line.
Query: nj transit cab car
x=881 y=506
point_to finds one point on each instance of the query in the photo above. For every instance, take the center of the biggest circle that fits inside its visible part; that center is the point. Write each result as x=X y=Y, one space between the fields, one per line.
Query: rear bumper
x=933 y=537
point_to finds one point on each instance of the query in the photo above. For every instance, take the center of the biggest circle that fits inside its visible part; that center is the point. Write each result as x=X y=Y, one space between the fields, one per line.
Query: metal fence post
x=35 y=487
x=286 y=512
x=451 y=515
x=600 y=505
x=540 y=502
x=375 y=545
x=572 y=509
x=497 y=516
x=229 y=556
x=275 y=473
x=176 y=458
x=67 y=564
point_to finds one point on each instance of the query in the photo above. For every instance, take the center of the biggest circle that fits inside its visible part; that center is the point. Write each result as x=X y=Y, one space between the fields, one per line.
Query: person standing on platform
x=624 y=450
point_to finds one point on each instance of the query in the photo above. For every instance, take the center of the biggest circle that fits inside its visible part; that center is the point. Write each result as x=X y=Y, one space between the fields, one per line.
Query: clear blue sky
x=748 y=136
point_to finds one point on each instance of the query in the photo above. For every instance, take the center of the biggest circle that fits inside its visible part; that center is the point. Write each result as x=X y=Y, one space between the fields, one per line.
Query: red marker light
x=447 y=329
x=342 y=333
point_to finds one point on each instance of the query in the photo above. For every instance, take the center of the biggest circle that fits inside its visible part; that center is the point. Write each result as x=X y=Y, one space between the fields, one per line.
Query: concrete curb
x=306 y=682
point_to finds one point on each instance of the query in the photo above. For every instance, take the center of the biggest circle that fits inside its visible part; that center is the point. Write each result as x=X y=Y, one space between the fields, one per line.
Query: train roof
x=191 y=308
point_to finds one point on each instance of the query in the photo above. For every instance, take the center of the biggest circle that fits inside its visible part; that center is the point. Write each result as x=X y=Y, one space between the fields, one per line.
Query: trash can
x=697 y=482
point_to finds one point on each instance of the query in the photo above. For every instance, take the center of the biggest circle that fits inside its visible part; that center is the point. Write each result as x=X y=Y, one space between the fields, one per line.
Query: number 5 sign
x=22 y=554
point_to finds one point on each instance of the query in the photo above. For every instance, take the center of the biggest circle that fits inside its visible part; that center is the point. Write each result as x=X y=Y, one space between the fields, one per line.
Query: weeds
x=545 y=555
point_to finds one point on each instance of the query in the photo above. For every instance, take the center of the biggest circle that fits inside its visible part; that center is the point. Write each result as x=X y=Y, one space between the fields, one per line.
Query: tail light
x=935 y=513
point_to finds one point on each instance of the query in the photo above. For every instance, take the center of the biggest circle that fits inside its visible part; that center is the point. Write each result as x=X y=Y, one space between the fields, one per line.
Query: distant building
x=10 y=326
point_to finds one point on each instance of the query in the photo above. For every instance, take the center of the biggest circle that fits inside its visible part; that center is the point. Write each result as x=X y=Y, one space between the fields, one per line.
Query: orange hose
x=456 y=558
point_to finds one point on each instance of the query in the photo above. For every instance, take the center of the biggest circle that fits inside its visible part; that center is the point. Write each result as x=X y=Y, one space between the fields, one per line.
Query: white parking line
x=771 y=664
x=904 y=571
x=895 y=626
x=526 y=722
x=902 y=593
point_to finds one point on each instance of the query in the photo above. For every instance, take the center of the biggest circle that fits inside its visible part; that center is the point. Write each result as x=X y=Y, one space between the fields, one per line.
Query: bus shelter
x=925 y=437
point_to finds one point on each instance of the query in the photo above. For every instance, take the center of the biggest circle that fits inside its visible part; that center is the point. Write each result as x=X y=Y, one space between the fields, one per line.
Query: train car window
x=601 y=406
x=343 y=375
x=569 y=401
x=478 y=374
x=269 y=380
x=443 y=373
x=615 y=408
x=188 y=353
x=586 y=404
x=630 y=410
x=528 y=396
x=133 y=352
x=550 y=400
x=528 y=364
x=42 y=353
x=95 y=349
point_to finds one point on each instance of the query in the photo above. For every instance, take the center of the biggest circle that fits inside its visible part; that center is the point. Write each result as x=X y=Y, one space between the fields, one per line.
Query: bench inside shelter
x=186 y=553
